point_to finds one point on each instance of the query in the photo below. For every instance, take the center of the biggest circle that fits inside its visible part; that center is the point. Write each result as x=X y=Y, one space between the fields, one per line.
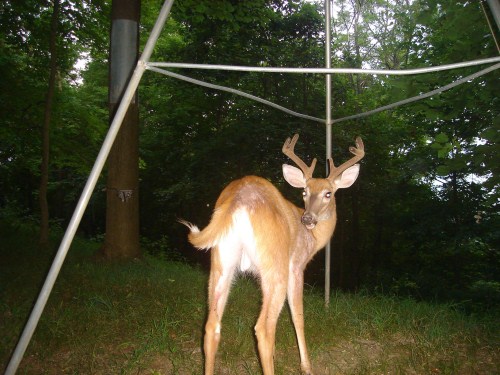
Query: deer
x=255 y=229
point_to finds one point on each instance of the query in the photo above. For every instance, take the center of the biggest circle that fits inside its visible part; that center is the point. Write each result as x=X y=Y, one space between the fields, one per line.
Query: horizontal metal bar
x=266 y=69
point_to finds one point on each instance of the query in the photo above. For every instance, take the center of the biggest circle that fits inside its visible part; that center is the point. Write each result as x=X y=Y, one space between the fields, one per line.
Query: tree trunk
x=44 y=168
x=122 y=210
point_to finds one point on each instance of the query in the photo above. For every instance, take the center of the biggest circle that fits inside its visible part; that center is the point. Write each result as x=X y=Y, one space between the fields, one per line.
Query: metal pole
x=328 y=123
x=267 y=69
x=495 y=10
x=86 y=194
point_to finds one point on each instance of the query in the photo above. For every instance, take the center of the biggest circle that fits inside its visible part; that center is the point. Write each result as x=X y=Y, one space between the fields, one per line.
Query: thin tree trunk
x=44 y=169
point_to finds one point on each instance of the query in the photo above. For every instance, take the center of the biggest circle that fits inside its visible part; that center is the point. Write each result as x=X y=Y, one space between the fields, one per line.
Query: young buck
x=255 y=229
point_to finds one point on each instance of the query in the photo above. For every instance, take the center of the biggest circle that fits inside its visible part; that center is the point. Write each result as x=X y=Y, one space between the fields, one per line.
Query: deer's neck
x=308 y=242
x=323 y=230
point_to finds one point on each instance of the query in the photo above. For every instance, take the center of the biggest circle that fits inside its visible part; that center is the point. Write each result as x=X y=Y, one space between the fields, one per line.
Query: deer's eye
x=328 y=194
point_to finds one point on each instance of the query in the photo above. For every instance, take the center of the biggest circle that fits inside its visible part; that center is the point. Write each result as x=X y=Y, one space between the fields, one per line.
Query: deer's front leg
x=295 y=301
x=273 y=298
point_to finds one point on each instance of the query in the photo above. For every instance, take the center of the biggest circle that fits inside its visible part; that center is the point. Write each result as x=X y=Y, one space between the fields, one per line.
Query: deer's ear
x=347 y=177
x=294 y=176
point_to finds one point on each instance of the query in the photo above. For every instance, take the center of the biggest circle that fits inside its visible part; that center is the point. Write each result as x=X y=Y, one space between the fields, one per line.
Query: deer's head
x=319 y=193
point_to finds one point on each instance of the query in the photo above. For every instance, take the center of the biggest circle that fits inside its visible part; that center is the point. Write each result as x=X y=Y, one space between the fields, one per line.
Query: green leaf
x=441 y=138
x=443 y=170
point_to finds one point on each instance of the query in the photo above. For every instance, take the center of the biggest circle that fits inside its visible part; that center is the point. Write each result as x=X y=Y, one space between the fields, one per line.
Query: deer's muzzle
x=308 y=220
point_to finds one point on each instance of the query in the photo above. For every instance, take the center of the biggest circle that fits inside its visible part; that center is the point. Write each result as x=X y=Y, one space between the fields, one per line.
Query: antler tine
x=288 y=150
x=358 y=151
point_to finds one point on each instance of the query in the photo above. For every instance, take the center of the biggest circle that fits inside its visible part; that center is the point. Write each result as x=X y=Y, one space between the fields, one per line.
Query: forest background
x=421 y=221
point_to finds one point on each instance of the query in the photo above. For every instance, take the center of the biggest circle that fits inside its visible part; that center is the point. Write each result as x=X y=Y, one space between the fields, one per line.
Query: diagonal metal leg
x=87 y=193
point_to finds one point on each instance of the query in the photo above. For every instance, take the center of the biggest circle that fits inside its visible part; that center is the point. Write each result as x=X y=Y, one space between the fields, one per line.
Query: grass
x=147 y=317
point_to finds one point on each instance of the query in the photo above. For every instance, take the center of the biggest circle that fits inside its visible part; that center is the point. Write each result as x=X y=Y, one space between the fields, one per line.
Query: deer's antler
x=288 y=150
x=358 y=151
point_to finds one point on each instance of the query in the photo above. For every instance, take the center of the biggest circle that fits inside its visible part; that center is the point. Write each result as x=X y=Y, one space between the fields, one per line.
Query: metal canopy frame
x=143 y=64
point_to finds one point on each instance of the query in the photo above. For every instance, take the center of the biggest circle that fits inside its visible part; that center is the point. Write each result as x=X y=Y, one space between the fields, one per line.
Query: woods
x=422 y=219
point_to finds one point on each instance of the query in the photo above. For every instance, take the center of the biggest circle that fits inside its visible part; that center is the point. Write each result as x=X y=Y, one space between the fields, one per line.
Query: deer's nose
x=308 y=220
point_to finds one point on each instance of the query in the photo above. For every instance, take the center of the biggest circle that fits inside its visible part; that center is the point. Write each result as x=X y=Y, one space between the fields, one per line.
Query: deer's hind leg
x=221 y=276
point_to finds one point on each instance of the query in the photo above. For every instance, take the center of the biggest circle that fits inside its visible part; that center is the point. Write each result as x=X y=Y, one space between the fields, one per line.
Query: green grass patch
x=147 y=317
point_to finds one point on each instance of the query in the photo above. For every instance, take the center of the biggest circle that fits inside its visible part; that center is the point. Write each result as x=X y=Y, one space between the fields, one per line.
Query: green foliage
x=422 y=220
x=79 y=116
